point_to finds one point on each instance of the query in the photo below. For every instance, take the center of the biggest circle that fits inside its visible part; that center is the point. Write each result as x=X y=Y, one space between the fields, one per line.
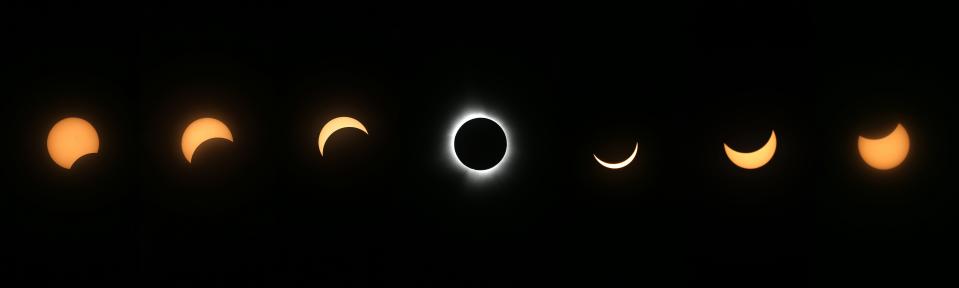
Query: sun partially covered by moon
x=887 y=152
x=335 y=125
x=70 y=139
x=620 y=164
x=200 y=131
x=755 y=159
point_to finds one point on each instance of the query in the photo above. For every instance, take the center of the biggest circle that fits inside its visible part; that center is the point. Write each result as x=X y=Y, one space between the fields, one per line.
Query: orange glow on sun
x=755 y=159
x=200 y=131
x=70 y=139
x=887 y=152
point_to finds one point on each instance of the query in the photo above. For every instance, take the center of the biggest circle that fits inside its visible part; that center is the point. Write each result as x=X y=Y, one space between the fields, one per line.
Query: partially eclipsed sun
x=201 y=130
x=755 y=159
x=620 y=164
x=335 y=125
x=70 y=139
x=887 y=152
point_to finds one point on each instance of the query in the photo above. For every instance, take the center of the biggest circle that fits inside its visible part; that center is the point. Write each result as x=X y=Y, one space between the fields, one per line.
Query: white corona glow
x=620 y=164
x=452 y=146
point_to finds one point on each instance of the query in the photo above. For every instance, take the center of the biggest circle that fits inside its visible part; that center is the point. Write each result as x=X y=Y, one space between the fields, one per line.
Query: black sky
x=568 y=81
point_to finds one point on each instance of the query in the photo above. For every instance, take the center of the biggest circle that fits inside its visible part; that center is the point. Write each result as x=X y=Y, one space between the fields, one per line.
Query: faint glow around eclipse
x=452 y=147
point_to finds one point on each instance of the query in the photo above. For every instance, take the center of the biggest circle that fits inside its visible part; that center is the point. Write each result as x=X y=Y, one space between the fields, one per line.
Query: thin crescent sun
x=755 y=159
x=335 y=125
x=200 y=131
x=887 y=152
x=620 y=164
x=70 y=139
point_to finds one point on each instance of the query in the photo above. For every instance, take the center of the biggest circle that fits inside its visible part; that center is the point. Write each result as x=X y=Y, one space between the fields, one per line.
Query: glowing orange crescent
x=755 y=159
x=335 y=125
x=201 y=130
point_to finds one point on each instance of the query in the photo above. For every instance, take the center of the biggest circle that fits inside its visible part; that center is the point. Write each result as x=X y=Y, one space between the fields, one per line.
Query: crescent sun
x=887 y=152
x=335 y=125
x=755 y=159
x=620 y=164
x=200 y=131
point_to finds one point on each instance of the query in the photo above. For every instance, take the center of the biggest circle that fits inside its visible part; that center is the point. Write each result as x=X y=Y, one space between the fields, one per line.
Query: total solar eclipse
x=480 y=143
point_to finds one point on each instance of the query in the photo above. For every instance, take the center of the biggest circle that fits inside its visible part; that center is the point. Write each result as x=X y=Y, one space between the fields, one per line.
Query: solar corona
x=485 y=130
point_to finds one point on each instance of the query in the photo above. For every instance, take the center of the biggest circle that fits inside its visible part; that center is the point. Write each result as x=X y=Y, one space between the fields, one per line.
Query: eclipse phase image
x=480 y=143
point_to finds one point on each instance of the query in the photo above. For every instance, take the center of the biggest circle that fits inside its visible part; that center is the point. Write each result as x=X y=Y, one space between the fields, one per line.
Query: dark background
x=391 y=209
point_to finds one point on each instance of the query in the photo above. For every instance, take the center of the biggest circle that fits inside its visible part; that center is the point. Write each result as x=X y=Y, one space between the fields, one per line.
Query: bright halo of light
x=473 y=173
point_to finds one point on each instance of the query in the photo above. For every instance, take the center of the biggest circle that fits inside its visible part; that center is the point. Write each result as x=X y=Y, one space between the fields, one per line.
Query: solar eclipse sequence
x=561 y=144
x=72 y=138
